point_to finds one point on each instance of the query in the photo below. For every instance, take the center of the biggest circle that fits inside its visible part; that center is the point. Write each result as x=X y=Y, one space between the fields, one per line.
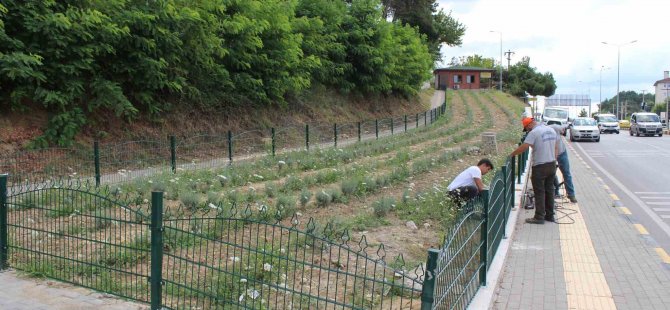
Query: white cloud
x=564 y=38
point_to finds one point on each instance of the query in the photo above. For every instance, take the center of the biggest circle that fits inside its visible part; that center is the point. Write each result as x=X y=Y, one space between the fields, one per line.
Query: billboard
x=485 y=75
x=568 y=101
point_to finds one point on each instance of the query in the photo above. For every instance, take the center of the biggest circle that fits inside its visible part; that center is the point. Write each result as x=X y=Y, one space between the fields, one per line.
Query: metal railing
x=175 y=258
x=113 y=163
x=455 y=272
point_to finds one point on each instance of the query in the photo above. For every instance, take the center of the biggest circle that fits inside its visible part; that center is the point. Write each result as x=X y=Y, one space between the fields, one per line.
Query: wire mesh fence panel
x=290 y=138
x=133 y=159
x=496 y=214
x=347 y=134
x=51 y=163
x=202 y=151
x=85 y=238
x=252 y=143
x=240 y=262
x=321 y=135
x=369 y=130
x=458 y=263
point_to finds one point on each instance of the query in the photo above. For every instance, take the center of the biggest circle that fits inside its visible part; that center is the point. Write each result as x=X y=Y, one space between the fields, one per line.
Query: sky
x=565 y=38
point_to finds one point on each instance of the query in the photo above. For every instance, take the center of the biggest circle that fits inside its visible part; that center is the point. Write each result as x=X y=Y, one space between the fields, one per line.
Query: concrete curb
x=484 y=297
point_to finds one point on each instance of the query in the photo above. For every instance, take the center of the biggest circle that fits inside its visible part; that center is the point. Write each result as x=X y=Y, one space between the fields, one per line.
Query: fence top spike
x=311 y=225
x=363 y=244
x=246 y=214
x=345 y=237
x=400 y=261
x=295 y=221
x=381 y=252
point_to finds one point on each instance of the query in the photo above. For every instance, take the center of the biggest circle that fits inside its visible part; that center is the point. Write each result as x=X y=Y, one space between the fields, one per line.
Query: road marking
x=614 y=196
x=624 y=210
x=606 y=187
x=653 y=198
x=654 y=217
x=585 y=281
x=653 y=193
x=662 y=209
x=641 y=229
x=664 y=256
x=665 y=216
x=664 y=203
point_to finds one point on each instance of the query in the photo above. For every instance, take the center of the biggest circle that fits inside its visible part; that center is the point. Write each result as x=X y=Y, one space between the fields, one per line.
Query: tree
x=522 y=78
x=438 y=26
x=583 y=113
x=473 y=61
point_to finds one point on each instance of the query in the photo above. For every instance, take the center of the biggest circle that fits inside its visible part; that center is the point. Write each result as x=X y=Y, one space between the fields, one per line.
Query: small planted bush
x=270 y=189
x=349 y=187
x=383 y=206
x=190 y=200
x=323 y=199
x=286 y=206
x=305 y=197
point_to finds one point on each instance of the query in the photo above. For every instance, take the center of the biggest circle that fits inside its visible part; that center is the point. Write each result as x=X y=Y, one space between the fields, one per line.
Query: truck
x=555 y=116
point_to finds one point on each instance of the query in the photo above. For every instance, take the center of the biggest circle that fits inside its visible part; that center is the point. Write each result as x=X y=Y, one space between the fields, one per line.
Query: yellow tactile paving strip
x=584 y=278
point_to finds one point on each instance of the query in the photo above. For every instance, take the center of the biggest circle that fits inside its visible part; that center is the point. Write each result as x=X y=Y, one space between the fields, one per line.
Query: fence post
x=96 y=162
x=428 y=289
x=425 y=118
x=307 y=137
x=518 y=169
x=417 y=120
x=156 y=277
x=273 y=141
x=484 y=239
x=230 y=146
x=505 y=193
x=335 y=132
x=173 y=153
x=391 y=125
x=377 y=129
x=359 y=131
x=3 y=222
x=405 y=122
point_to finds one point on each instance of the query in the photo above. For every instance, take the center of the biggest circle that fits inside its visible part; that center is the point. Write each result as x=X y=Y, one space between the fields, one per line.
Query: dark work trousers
x=463 y=194
x=543 y=188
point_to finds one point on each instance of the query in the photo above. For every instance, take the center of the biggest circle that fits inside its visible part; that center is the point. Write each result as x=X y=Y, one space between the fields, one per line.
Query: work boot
x=549 y=219
x=572 y=199
x=533 y=220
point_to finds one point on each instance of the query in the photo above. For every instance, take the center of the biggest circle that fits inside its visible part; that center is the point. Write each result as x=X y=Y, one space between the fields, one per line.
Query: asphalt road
x=637 y=170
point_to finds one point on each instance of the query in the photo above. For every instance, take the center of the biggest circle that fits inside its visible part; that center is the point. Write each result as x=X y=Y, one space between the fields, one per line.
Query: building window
x=469 y=79
x=458 y=78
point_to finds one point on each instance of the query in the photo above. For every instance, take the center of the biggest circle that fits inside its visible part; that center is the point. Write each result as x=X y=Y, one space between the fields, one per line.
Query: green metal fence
x=458 y=269
x=114 y=163
x=175 y=258
x=178 y=258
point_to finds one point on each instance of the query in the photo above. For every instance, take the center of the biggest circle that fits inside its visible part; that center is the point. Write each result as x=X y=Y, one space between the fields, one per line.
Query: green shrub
x=286 y=206
x=323 y=199
x=336 y=195
x=270 y=189
x=305 y=196
x=190 y=200
x=349 y=186
x=383 y=206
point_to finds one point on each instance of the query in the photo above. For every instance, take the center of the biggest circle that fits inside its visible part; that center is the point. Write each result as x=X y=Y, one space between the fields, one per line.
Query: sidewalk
x=595 y=259
x=21 y=293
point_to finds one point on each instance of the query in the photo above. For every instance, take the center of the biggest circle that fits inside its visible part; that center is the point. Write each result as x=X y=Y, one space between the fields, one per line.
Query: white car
x=584 y=128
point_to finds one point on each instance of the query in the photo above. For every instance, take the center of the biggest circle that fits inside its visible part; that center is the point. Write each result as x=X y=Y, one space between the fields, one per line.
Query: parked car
x=584 y=128
x=624 y=124
x=645 y=123
x=607 y=123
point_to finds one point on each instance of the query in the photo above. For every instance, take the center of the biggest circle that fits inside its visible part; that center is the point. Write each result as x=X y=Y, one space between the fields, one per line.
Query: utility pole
x=644 y=107
x=509 y=57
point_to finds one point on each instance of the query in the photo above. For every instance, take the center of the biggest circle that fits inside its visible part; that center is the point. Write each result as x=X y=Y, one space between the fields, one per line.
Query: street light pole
x=501 y=57
x=618 y=71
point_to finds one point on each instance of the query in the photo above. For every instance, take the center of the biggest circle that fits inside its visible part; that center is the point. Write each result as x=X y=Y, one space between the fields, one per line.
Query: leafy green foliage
x=126 y=58
x=521 y=78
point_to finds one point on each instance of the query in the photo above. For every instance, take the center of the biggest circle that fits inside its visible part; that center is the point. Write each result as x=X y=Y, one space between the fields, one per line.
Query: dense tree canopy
x=438 y=26
x=81 y=58
x=522 y=78
x=629 y=103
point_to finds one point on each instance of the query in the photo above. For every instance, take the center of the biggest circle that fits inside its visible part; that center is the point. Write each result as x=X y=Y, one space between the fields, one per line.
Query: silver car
x=584 y=128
